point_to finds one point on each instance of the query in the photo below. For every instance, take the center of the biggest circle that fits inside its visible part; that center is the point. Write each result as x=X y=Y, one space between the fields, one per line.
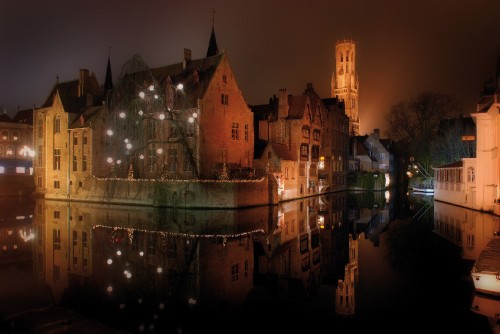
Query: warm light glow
x=195 y=115
x=118 y=253
x=156 y=96
x=142 y=95
x=109 y=132
x=141 y=253
x=151 y=88
x=110 y=160
x=126 y=140
x=118 y=162
x=129 y=146
x=162 y=116
x=159 y=151
x=141 y=112
x=110 y=261
x=191 y=119
x=180 y=86
x=159 y=270
x=26 y=236
x=387 y=179
x=141 y=156
x=109 y=288
x=122 y=115
x=321 y=164
x=321 y=221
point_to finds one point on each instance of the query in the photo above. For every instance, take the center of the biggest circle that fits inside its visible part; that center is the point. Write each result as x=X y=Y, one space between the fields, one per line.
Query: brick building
x=182 y=121
x=303 y=141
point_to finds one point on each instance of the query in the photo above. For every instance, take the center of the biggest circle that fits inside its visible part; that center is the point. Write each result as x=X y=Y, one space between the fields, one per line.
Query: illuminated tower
x=345 y=82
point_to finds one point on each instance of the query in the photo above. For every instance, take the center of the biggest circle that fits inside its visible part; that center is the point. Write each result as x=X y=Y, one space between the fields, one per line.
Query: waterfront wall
x=177 y=193
x=16 y=185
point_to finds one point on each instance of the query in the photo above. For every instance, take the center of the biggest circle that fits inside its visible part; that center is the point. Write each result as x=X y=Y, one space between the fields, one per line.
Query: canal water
x=343 y=262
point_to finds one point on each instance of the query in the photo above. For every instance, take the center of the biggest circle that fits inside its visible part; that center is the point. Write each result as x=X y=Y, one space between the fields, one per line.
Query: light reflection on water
x=346 y=261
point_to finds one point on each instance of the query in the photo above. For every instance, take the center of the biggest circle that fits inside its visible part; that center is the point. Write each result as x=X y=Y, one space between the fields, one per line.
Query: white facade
x=474 y=183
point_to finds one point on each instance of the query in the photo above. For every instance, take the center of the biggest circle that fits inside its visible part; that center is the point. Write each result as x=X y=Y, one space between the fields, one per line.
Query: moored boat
x=486 y=270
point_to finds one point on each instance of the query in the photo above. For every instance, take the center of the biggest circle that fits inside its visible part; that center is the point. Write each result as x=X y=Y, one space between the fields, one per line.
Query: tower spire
x=213 y=49
x=108 y=81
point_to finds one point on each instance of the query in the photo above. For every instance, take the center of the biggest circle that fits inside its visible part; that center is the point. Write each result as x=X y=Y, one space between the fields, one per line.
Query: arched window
x=341 y=58
x=470 y=174
x=347 y=56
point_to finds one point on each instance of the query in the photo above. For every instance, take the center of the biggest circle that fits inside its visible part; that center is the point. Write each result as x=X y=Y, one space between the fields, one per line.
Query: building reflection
x=16 y=230
x=139 y=264
x=469 y=229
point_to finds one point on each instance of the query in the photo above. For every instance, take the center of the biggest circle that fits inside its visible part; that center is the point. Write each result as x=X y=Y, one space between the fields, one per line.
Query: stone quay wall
x=203 y=194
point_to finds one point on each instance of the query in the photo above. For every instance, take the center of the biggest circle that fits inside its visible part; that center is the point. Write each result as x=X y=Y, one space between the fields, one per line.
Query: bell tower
x=345 y=82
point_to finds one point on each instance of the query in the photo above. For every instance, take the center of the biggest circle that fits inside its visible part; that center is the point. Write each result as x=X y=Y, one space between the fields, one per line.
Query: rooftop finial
x=57 y=78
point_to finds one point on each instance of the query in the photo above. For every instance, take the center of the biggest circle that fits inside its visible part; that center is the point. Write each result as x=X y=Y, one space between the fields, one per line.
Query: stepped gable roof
x=68 y=93
x=4 y=117
x=297 y=105
x=195 y=76
x=282 y=151
x=24 y=117
x=456 y=164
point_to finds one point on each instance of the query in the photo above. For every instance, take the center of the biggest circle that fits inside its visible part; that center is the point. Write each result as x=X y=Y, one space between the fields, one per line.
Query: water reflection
x=341 y=259
x=471 y=231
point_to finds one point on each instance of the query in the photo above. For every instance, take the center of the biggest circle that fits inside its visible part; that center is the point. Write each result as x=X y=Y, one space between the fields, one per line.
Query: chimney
x=283 y=103
x=187 y=57
x=84 y=75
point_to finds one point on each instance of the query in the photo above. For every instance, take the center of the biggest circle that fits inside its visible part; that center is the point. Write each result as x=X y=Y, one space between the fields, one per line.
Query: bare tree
x=456 y=140
x=415 y=122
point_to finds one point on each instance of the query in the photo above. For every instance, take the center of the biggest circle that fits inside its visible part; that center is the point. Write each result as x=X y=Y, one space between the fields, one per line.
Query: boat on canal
x=486 y=270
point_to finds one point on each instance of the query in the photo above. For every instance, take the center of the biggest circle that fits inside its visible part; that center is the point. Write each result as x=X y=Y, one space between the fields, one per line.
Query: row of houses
x=190 y=121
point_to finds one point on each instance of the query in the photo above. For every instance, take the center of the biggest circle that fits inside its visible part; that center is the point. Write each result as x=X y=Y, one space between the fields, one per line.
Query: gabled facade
x=314 y=132
x=63 y=140
x=182 y=121
x=295 y=123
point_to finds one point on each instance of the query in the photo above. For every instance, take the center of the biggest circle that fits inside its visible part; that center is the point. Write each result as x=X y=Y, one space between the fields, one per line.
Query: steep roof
x=24 y=117
x=72 y=101
x=4 y=117
x=195 y=75
x=297 y=106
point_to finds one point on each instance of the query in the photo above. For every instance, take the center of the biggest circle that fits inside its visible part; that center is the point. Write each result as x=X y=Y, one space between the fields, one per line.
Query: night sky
x=403 y=47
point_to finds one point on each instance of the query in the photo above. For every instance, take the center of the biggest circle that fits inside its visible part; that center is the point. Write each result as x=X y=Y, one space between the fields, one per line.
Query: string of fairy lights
x=143 y=123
